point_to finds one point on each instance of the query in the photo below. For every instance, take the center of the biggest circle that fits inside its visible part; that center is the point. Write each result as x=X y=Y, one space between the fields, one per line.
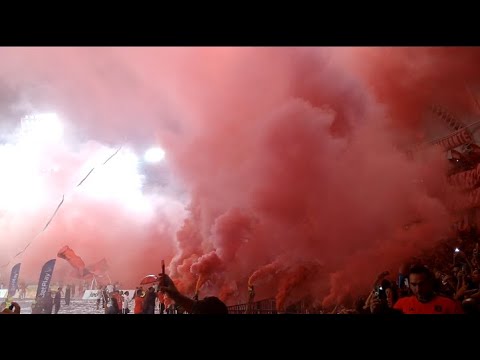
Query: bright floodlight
x=154 y=155
x=42 y=127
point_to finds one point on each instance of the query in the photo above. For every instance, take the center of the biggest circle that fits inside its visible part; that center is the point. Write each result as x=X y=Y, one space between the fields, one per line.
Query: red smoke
x=207 y=264
x=266 y=271
x=287 y=156
x=301 y=278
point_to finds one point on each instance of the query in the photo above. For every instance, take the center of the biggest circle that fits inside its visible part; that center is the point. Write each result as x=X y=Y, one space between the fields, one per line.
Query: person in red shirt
x=424 y=300
x=138 y=300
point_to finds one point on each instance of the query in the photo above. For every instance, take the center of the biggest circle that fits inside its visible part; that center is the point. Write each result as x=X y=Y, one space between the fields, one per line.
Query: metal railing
x=266 y=306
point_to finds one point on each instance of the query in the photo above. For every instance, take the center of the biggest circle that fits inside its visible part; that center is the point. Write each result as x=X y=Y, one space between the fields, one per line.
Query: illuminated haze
x=283 y=163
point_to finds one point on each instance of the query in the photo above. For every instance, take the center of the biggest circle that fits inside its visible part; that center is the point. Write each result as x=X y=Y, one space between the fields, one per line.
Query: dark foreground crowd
x=447 y=282
x=432 y=285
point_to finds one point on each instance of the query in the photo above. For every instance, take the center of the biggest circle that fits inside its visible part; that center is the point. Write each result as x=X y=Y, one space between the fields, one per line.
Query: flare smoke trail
x=291 y=156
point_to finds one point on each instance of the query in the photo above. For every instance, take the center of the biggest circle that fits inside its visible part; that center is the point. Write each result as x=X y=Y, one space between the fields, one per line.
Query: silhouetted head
x=470 y=306
x=210 y=305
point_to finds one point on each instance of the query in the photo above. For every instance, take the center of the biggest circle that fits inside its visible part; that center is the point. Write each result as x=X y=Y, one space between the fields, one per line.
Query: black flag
x=13 y=284
x=45 y=277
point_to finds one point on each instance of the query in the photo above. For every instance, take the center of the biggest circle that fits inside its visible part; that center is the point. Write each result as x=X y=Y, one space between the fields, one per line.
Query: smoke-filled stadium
x=239 y=180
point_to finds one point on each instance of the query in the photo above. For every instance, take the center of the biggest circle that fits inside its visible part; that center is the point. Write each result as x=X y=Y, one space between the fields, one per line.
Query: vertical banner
x=13 y=284
x=45 y=277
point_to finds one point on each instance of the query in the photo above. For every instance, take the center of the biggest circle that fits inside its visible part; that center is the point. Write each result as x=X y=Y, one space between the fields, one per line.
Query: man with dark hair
x=209 y=305
x=424 y=300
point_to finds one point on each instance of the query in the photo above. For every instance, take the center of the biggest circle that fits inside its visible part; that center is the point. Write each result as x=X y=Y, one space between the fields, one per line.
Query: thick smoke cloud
x=285 y=163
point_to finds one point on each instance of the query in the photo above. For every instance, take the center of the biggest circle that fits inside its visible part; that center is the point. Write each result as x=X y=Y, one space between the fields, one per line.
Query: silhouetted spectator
x=56 y=300
x=47 y=303
x=67 y=295
x=149 y=301
x=208 y=305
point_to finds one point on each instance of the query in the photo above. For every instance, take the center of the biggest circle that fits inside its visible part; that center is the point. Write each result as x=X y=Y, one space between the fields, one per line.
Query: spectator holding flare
x=208 y=305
